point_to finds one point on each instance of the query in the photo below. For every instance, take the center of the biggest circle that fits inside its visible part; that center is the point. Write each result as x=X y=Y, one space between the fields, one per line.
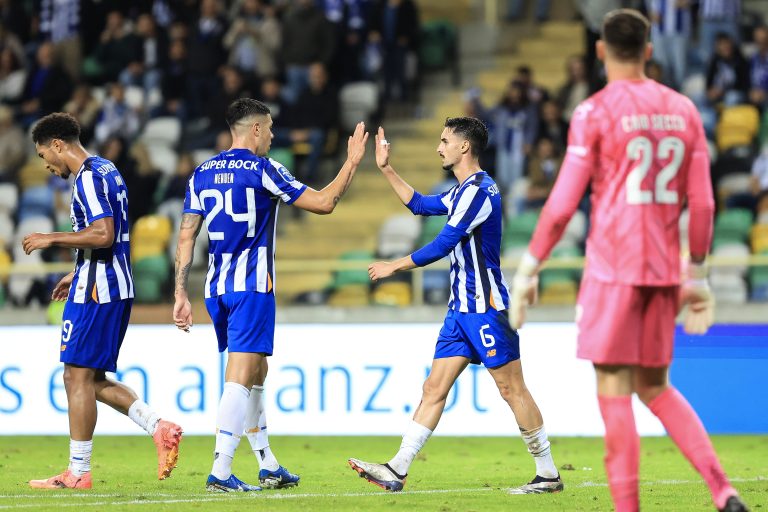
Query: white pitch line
x=280 y=496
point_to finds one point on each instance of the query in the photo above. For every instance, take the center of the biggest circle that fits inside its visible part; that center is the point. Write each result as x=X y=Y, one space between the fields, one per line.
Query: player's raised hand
x=35 y=241
x=182 y=314
x=382 y=149
x=695 y=294
x=525 y=290
x=356 y=144
x=61 y=290
x=380 y=270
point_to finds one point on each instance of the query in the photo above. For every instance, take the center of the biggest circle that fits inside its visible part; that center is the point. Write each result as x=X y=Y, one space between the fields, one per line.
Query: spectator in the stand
x=146 y=70
x=515 y=10
x=517 y=124
x=671 y=28
x=145 y=177
x=205 y=55
x=727 y=73
x=177 y=185
x=348 y=18
x=12 y=77
x=576 y=88
x=552 y=125
x=85 y=107
x=116 y=117
x=542 y=172
x=758 y=68
x=59 y=23
x=395 y=25
x=716 y=16
x=12 y=148
x=13 y=14
x=174 y=82
x=117 y=48
x=48 y=86
x=593 y=12
x=308 y=37
x=473 y=107
x=254 y=38
x=312 y=117
x=10 y=41
x=223 y=141
x=655 y=71
x=272 y=96
x=536 y=93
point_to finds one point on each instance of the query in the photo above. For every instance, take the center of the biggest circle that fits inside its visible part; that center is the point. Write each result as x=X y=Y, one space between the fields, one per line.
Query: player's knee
x=648 y=393
x=432 y=392
x=512 y=392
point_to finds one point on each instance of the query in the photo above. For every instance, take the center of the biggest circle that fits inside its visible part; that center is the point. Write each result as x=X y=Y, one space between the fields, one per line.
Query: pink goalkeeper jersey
x=642 y=148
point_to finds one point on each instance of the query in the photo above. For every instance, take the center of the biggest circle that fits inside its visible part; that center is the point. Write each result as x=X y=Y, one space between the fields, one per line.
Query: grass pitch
x=450 y=475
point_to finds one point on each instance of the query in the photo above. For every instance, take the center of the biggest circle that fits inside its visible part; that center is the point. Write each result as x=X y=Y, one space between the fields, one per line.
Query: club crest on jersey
x=285 y=173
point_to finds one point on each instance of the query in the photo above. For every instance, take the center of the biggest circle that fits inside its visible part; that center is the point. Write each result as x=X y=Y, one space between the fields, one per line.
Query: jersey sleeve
x=192 y=202
x=581 y=160
x=701 y=203
x=279 y=182
x=93 y=191
x=437 y=204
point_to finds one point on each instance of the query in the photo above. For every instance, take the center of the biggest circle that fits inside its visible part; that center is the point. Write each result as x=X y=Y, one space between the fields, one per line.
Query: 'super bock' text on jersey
x=237 y=193
x=475 y=208
x=101 y=275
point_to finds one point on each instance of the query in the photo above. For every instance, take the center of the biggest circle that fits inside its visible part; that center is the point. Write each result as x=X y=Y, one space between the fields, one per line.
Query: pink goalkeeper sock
x=622 y=451
x=686 y=430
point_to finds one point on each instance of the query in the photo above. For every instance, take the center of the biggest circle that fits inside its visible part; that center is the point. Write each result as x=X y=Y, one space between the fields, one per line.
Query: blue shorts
x=91 y=333
x=244 y=321
x=481 y=337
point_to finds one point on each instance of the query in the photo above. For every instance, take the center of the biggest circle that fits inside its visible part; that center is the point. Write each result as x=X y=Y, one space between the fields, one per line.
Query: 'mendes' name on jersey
x=663 y=122
x=224 y=178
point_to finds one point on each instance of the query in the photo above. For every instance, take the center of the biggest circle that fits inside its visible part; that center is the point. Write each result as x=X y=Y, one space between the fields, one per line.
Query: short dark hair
x=243 y=109
x=472 y=129
x=56 y=126
x=625 y=31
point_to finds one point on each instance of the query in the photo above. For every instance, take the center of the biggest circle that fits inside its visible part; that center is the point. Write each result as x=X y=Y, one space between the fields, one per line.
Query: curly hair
x=56 y=126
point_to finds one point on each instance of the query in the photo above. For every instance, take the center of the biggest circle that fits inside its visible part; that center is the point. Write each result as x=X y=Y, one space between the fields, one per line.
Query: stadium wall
x=366 y=379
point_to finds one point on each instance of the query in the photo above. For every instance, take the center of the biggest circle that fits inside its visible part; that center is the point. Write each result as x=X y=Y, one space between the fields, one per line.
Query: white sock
x=256 y=430
x=80 y=456
x=229 y=427
x=538 y=445
x=413 y=440
x=144 y=416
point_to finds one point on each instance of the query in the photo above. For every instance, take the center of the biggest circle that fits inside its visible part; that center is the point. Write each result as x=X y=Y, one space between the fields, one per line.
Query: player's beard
x=448 y=167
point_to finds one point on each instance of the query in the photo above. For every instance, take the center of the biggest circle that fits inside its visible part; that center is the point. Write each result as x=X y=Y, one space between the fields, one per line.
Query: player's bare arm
x=403 y=190
x=324 y=201
x=188 y=231
x=384 y=269
x=99 y=235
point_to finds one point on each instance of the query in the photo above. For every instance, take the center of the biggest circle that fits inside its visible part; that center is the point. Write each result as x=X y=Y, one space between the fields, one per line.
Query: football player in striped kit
x=237 y=193
x=99 y=295
x=476 y=328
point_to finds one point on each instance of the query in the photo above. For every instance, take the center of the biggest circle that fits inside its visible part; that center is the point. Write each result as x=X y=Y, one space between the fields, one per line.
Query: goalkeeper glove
x=524 y=289
x=695 y=293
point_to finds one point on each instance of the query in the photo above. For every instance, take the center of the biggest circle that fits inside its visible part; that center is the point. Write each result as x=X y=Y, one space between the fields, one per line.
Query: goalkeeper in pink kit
x=641 y=147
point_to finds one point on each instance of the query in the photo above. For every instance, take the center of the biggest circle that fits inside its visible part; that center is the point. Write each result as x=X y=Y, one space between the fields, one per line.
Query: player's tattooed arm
x=188 y=231
x=344 y=187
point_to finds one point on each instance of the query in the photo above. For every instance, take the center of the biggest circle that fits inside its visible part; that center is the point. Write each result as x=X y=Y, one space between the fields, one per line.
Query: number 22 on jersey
x=641 y=149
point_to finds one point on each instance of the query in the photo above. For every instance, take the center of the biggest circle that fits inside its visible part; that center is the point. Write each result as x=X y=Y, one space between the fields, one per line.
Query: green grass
x=450 y=475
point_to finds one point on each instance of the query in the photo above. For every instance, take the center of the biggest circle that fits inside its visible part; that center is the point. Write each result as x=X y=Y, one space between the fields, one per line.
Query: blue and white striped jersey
x=673 y=20
x=472 y=237
x=237 y=192
x=101 y=275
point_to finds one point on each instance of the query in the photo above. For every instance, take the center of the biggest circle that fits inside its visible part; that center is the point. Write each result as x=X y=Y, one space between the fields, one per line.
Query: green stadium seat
x=732 y=226
x=519 y=229
x=149 y=276
x=352 y=277
x=432 y=226
x=55 y=312
x=557 y=276
x=285 y=157
x=147 y=290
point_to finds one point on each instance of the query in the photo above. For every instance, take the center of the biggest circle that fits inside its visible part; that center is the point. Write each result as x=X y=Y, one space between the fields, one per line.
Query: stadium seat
x=172 y=209
x=759 y=238
x=19 y=285
x=9 y=198
x=437 y=285
x=431 y=228
x=36 y=201
x=134 y=97
x=358 y=101
x=163 y=158
x=350 y=296
x=31 y=225
x=439 y=47
x=149 y=236
x=738 y=126
x=162 y=130
x=5 y=264
x=284 y=156
x=392 y=294
x=55 y=312
x=695 y=87
x=2 y=295
x=559 y=293
x=6 y=230
x=519 y=229
x=150 y=274
x=731 y=184
x=732 y=251
x=398 y=235
x=758 y=283
x=344 y=278
x=732 y=226
x=729 y=288
x=557 y=276
x=154 y=98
